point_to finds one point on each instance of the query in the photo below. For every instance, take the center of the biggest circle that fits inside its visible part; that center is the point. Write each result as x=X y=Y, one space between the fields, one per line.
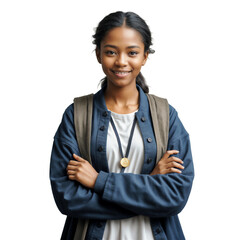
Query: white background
x=47 y=59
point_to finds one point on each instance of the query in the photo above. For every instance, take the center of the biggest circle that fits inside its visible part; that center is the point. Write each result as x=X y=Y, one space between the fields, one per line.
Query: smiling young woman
x=129 y=191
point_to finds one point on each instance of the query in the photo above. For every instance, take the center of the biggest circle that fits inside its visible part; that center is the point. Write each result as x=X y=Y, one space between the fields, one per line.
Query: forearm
x=155 y=196
x=74 y=199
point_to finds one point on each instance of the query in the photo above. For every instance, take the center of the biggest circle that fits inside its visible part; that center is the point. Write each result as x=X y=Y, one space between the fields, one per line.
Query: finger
x=175 y=159
x=72 y=167
x=78 y=158
x=71 y=172
x=175 y=165
x=169 y=153
x=73 y=163
x=174 y=170
x=71 y=177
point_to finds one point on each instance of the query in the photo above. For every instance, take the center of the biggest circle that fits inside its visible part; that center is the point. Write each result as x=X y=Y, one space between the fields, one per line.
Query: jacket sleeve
x=157 y=195
x=71 y=197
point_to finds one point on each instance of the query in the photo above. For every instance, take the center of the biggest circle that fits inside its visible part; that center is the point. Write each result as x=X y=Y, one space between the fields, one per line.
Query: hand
x=82 y=171
x=168 y=164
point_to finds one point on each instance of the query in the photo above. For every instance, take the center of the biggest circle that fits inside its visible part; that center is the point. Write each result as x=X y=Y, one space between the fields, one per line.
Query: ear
x=97 y=51
x=145 y=58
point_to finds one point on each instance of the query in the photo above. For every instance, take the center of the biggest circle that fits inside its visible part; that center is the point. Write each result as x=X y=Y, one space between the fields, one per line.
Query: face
x=122 y=55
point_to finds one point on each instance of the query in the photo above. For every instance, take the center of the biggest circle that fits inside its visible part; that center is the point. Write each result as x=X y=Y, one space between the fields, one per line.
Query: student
x=139 y=198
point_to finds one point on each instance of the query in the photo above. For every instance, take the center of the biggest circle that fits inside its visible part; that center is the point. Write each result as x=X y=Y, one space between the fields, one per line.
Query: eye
x=133 y=53
x=110 y=53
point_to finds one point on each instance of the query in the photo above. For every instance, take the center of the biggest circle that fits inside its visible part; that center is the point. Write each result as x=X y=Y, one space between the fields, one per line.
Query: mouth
x=121 y=73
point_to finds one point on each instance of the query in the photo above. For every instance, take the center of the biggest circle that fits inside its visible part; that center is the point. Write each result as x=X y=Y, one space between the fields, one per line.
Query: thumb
x=77 y=157
x=169 y=153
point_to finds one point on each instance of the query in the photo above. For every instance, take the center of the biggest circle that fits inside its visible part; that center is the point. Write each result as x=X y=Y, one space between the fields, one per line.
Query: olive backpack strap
x=83 y=108
x=159 y=109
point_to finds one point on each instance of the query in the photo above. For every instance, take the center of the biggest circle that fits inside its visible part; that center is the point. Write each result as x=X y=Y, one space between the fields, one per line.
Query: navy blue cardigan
x=121 y=195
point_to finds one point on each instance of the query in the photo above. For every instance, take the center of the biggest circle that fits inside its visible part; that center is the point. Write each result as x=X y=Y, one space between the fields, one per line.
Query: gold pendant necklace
x=124 y=162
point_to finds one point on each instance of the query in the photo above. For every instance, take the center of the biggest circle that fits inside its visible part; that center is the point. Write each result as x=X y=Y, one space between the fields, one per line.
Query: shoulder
x=160 y=105
x=157 y=98
x=69 y=110
x=176 y=128
x=66 y=128
x=68 y=115
x=172 y=113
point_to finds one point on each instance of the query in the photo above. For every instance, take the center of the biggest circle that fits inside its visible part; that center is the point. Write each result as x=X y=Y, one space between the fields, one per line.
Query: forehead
x=123 y=36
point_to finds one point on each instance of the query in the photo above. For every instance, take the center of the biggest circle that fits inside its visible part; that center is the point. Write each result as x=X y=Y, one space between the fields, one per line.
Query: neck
x=122 y=99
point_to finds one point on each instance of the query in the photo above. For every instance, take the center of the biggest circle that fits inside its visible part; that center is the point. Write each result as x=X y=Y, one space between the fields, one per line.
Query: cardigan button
x=105 y=113
x=158 y=230
x=102 y=128
x=149 y=160
x=149 y=140
x=143 y=119
x=100 y=148
x=99 y=225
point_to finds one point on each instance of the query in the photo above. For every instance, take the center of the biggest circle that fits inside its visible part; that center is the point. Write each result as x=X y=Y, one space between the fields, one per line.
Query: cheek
x=137 y=64
x=105 y=69
x=107 y=63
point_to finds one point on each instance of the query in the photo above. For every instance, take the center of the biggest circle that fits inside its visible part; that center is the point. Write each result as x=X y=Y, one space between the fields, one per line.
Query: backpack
x=83 y=108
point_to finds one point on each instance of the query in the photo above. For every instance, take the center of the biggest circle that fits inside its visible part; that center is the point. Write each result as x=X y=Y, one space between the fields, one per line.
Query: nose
x=121 y=60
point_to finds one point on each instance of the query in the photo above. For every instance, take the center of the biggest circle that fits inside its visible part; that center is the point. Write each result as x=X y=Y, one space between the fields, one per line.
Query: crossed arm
x=82 y=171
x=81 y=192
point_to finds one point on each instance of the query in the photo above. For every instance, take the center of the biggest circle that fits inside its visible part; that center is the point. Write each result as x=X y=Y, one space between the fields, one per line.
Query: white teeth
x=122 y=73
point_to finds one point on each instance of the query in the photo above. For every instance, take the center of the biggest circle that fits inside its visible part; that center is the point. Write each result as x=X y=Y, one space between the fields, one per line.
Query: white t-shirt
x=138 y=227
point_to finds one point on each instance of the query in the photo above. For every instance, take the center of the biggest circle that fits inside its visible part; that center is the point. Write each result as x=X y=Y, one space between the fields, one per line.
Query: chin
x=122 y=82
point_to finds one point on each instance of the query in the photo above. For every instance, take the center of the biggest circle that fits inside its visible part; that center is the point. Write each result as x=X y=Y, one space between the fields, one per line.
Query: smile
x=121 y=73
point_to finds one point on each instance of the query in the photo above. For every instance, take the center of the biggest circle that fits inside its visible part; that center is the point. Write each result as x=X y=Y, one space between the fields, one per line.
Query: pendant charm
x=124 y=162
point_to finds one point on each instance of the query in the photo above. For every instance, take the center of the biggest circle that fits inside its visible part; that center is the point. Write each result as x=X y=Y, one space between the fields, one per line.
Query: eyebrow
x=113 y=46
